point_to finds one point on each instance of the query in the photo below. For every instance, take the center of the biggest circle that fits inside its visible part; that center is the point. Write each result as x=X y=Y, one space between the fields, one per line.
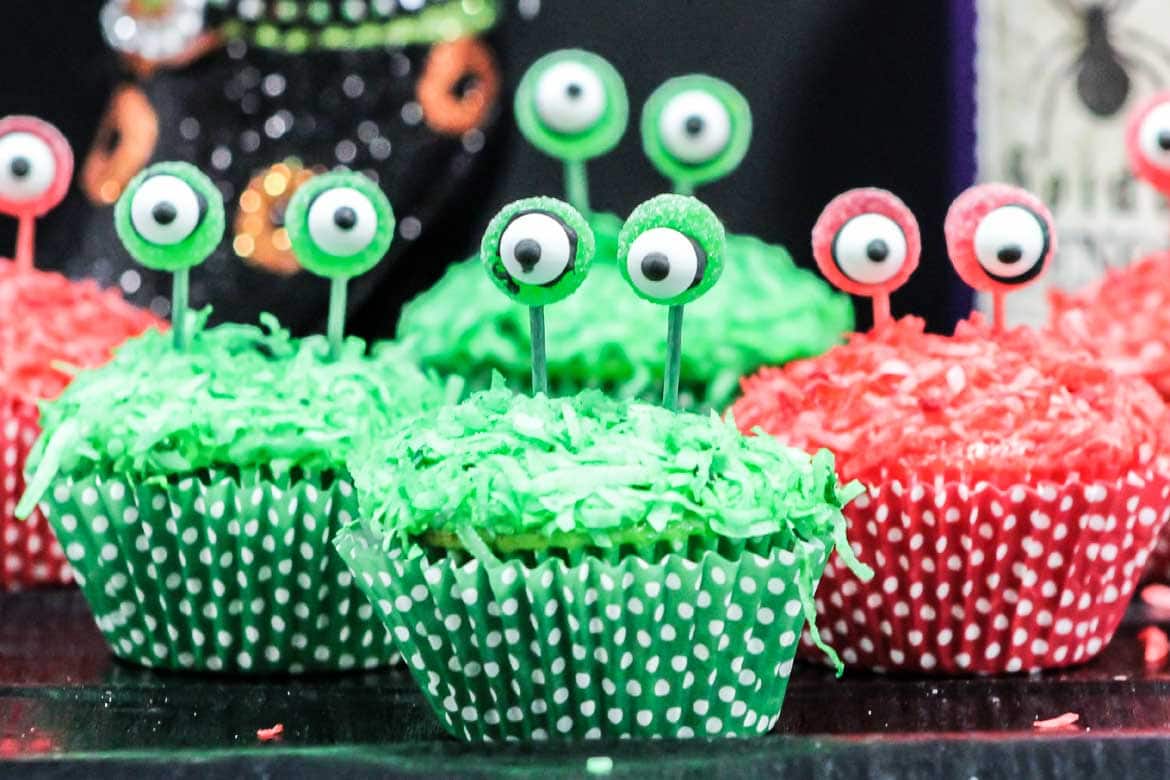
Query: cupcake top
x=522 y=472
x=51 y=327
x=764 y=310
x=976 y=407
x=239 y=396
x=1124 y=317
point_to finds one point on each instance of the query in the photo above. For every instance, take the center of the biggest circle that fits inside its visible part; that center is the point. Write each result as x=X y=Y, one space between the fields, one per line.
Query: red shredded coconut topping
x=269 y=734
x=1157 y=596
x=1155 y=646
x=49 y=324
x=899 y=402
x=1125 y=316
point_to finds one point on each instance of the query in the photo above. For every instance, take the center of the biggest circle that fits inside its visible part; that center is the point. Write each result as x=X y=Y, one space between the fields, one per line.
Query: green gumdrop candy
x=340 y=224
x=538 y=250
x=671 y=249
x=170 y=217
x=572 y=105
x=696 y=129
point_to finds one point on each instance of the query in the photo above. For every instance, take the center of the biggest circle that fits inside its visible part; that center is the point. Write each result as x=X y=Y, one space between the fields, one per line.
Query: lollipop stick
x=577 y=185
x=25 y=232
x=337 y=290
x=881 y=309
x=683 y=187
x=539 y=357
x=997 y=313
x=673 y=357
x=179 y=296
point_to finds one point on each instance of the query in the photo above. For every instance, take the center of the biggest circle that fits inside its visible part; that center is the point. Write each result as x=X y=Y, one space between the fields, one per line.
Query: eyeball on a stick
x=866 y=242
x=36 y=166
x=1000 y=238
x=696 y=129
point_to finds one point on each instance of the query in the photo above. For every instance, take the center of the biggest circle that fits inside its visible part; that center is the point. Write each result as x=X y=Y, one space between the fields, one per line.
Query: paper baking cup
x=29 y=553
x=221 y=573
x=595 y=650
x=983 y=580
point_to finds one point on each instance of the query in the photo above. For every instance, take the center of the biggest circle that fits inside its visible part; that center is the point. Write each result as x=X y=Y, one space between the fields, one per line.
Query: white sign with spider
x=1056 y=81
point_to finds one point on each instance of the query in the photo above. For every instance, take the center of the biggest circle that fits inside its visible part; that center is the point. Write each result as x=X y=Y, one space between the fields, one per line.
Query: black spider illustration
x=1103 y=60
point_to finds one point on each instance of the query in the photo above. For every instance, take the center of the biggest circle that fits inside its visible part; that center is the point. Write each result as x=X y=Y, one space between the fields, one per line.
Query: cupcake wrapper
x=220 y=573
x=595 y=650
x=983 y=580
x=29 y=553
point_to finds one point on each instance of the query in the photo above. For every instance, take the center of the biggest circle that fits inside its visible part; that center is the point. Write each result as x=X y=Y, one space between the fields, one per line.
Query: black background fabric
x=844 y=93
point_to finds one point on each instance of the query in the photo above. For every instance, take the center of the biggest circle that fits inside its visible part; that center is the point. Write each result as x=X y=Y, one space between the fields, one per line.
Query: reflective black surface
x=67 y=709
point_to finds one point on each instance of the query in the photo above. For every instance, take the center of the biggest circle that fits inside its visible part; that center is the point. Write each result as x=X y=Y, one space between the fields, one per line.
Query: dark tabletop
x=68 y=709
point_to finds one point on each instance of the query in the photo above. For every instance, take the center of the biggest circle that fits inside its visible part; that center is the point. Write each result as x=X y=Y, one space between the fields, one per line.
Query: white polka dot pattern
x=29 y=552
x=220 y=574
x=986 y=581
x=591 y=651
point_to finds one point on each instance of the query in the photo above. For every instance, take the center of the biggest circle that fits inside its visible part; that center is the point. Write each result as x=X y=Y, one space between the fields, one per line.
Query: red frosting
x=899 y=402
x=49 y=324
x=1125 y=317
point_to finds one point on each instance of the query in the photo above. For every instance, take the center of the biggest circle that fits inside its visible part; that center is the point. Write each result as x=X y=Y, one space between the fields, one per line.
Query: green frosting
x=240 y=396
x=592 y=470
x=764 y=311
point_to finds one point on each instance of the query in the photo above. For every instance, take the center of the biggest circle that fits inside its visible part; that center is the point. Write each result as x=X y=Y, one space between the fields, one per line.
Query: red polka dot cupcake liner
x=29 y=553
x=983 y=580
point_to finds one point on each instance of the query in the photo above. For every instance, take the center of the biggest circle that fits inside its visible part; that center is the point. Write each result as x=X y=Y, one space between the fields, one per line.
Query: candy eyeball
x=339 y=224
x=570 y=97
x=999 y=237
x=36 y=165
x=538 y=250
x=170 y=217
x=670 y=250
x=1147 y=141
x=572 y=105
x=866 y=242
x=696 y=129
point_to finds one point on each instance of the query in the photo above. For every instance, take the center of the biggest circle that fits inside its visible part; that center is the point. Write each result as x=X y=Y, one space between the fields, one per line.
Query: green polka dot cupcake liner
x=218 y=572
x=596 y=649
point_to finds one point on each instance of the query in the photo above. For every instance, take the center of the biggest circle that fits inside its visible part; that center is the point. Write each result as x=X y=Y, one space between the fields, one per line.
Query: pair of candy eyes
x=28 y=167
x=1010 y=243
x=695 y=126
x=165 y=210
x=537 y=248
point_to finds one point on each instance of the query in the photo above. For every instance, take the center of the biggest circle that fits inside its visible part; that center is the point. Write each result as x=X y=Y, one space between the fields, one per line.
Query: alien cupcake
x=1013 y=491
x=197 y=479
x=50 y=327
x=587 y=567
x=1125 y=316
x=695 y=129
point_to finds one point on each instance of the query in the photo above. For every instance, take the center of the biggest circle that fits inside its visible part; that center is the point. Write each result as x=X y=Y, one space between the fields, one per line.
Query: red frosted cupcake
x=1125 y=316
x=1013 y=495
x=49 y=328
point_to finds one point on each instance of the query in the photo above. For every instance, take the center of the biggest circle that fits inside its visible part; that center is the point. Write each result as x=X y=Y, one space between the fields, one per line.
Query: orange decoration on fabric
x=260 y=237
x=459 y=85
x=123 y=145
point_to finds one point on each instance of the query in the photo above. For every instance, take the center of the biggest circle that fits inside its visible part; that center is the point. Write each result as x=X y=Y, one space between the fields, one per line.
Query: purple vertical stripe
x=962 y=115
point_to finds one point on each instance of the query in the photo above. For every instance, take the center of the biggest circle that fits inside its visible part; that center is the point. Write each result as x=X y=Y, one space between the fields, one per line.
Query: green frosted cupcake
x=195 y=494
x=765 y=311
x=586 y=567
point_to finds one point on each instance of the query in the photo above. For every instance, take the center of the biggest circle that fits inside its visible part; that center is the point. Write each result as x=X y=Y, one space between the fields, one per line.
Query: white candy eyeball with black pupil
x=662 y=263
x=27 y=167
x=165 y=210
x=1010 y=244
x=342 y=221
x=695 y=126
x=870 y=248
x=1154 y=137
x=537 y=248
x=570 y=97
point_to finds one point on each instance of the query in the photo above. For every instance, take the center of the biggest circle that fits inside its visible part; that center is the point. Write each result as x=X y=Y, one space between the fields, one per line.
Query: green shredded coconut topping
x=764 y=311
x=511 y=465
x=241 y=396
